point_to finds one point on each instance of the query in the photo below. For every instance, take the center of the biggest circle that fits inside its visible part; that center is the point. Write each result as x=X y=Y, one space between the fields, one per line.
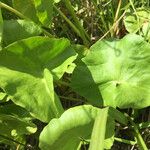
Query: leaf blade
x=25 y=71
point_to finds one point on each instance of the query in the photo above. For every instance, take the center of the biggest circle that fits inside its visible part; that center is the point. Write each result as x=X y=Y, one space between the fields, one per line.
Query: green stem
x=9 y=139
x=116 y=17
x=113 y=25
x=72 y=99
x=20 y=15
x=68 y=21
x=102 y=16
x=3 y=5
x=59 y=82
x=138 y=136
x=85 y=36
x=132 y=5
x=125 y=141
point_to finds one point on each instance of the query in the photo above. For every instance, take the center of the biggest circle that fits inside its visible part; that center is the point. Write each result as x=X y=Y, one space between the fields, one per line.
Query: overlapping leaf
x=15 y=121
x=44 y=11
x=25 y=73
x=138 y=21
x=74 y=124
x=116 y=73
x=27 y=8
x=15 y=30
x=40 y=11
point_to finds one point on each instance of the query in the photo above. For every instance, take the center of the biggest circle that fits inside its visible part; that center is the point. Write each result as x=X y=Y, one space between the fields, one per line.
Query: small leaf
x=15 y=30
x=25 y=74
x=115 y=73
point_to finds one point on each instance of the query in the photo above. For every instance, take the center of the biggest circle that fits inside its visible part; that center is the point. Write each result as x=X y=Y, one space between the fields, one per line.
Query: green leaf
x=118 y=116
x=2 y=95
x=15 y=121
x=15 y=30
x=139 y=21
x=115 y=73
x=27 y=8
x=1 y=29
x=25 y=74
x=99 y=129
x=57 y=1
x=74 y=124
x=44 y=11
x=39 y=11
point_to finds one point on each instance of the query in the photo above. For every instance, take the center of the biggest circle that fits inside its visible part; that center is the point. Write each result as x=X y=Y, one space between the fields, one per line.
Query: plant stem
x=138 y=136
x=84 y=35
x=113 y=25
x=9 y=139
x=72 y=99
x=20 y=15
x=68 y=21
x=125 y=141
x=116 y=16
x=132 y=5
x=101 y=14
x=3 y=5
x=62 y=83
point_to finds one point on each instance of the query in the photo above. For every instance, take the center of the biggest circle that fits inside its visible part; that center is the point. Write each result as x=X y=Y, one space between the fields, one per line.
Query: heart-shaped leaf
x=115 y=73
x=25 y=73
x=74 y=125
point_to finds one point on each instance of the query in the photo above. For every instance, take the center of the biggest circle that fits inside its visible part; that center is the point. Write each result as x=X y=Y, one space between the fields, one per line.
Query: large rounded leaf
x=75 y=124
x=25 y=73
x=118 y=70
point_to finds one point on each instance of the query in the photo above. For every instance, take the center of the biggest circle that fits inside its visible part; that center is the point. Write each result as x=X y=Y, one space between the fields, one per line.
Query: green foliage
x=40 y=11
x=38 y=69
x=99 y=131
x=15 y=30
x=26 y=69
x=138 y=21
x=14 y=123
x=116 y=73
x=27 y=8
x=75 y=123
